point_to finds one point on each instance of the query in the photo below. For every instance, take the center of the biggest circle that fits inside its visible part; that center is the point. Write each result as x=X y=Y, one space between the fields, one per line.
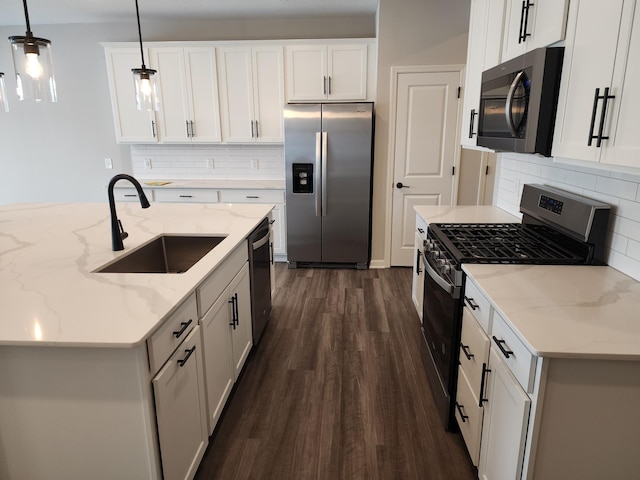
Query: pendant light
x=3 y=94
x=33 y=64
x=145 y=80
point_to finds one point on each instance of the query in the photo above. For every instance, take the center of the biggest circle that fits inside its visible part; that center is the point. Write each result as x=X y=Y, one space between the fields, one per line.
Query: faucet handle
x=123 y=234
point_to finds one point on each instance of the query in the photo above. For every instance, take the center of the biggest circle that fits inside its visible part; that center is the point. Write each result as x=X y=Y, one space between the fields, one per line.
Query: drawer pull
x=505 y=352
x=188 y=352
x=471 y=303
x=483 y=383
x=130 y=195
x=461 y=412
x=465 y=350
x=185 y=325
x=186 y=196
x=252 y=196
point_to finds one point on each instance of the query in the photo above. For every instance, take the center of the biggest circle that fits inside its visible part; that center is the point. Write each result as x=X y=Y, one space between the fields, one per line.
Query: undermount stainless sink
x=164 y=254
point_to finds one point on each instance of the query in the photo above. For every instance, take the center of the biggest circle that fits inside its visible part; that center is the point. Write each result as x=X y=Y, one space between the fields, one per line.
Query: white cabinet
x=477 y=177
x=241 y=331
x=251 y=93
x=596 y=118
x=532 y=24
x=189 y=94
x=417 y=287
x=131 y=124
x=318 y=72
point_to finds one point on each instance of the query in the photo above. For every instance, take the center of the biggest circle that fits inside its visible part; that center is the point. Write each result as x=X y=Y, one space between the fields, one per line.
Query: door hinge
x=459 y=89
x=453 y=170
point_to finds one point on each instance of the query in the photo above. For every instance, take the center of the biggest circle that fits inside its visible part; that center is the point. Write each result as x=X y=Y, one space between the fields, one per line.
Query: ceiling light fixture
x=145 y=80
x=33 y=64
x=3 y=94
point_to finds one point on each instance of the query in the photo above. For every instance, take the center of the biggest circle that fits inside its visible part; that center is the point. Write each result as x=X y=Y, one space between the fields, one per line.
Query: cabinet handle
x=271 y=222
x=251 y=196
x=252 y=132
x=193 y=132
x=257 y=129
x=330 y=86
x=472 y=122
x=235 y=308
x=505 y=352
x=524 y=21
x=186 y=122
x=186 y=196
x=153 y=129
x=185 y=325
x=483 y=384
x=420 y=230
x=130 y=195
x=418 y=254
x=465 y=350
x=271 y=252
x=471 y=303
x=461 y=412
x=233 y=313
x=186 y=357
x=603 y=115
x=324 y=90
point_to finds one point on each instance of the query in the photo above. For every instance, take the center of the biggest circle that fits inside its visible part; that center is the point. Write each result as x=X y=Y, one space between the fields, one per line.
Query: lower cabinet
x=417 y=288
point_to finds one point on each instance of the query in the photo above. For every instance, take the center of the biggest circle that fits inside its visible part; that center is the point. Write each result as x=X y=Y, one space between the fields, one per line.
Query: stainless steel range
x=557 y=227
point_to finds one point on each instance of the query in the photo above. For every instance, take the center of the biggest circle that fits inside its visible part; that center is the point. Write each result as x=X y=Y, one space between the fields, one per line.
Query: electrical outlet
x=254 y=164
x=210 y=164
x=108 y=163
x=147 y=163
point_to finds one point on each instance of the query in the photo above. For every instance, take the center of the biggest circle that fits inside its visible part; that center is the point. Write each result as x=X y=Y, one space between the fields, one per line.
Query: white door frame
x=393 y=112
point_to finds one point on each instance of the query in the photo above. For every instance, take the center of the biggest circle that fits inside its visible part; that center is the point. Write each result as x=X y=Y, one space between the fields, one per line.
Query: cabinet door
x=218 y=368
x=592 y=39
x=279 y=230
x=236 y=94
x=417 y=289
x=131 y=124
x=242 y=333
x=306 y=72
x=347 y=72
x=268 y=93
x=173 y=116
x=180 y=410
x=202 y=93
x=504 y=429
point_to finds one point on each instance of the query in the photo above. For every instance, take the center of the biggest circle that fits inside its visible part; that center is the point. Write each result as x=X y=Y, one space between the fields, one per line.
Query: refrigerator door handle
x=318 y=166
x=325 y=160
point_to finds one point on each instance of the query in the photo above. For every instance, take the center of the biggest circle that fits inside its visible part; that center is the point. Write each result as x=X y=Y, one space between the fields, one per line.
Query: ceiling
x=101 y=11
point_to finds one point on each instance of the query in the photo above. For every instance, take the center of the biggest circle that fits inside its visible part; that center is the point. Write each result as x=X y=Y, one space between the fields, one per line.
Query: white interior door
x=425 y=149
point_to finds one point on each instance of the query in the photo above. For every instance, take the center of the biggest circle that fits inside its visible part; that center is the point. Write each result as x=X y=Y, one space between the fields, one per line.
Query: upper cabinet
x=189 y=109
x=131 y=124
x=596 y=118
x=532 y=24
x=318 y=72
x=251 y=93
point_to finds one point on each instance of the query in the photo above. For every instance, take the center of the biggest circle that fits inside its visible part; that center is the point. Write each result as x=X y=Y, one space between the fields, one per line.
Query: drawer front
x=474 y=351
x=186 y=195
x=471 y=424
x=209 y=291
x=515 y=354
x=477 y=304
x=251 y=196
x=130 y=194
x=172 y=332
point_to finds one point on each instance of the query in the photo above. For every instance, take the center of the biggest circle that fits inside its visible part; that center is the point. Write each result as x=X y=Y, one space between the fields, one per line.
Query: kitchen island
x=80 y=368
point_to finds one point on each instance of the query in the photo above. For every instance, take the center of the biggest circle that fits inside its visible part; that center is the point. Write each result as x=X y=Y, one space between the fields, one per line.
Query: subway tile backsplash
x=620 y=190
x=200 y=162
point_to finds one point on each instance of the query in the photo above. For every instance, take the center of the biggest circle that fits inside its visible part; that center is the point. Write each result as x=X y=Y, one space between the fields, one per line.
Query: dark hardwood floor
x=336 y=389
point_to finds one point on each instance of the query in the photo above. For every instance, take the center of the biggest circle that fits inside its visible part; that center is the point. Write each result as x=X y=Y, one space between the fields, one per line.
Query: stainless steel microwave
x=518 y=102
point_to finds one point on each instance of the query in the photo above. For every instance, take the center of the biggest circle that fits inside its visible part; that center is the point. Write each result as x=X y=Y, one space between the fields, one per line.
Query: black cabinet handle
x=603 y=115
x=593 y=116
x=524 y=21
x=257 y=129
x=461 y=412
x=465 y=350
x=472 y=122
x=153 y=129
x=505 y=352
x=233 y=312
x=471 y=303
x=187 y=128
x=188 y=352
x=193 y=132
x=418 y=254
x=252 y=130
x=420 y=230
x=186 y=196
x=483 y=384
x=235 y=308
x=185 y=325
x=325 y=86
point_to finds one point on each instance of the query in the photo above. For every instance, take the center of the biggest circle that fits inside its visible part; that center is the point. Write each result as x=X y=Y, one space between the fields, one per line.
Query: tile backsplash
x=200 y=162
x=620 y=190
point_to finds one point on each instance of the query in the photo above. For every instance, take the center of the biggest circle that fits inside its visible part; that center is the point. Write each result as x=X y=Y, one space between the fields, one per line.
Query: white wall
x=620 y=190
x=55 y=152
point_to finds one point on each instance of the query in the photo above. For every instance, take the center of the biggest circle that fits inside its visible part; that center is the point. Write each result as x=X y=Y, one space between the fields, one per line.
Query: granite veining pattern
x=50 y=293
x=566 y=311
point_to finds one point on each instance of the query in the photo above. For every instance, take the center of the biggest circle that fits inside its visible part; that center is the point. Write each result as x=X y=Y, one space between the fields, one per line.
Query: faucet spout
x=117 y=232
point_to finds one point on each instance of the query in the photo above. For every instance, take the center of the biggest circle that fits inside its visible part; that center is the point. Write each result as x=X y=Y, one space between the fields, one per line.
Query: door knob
x=400 y=185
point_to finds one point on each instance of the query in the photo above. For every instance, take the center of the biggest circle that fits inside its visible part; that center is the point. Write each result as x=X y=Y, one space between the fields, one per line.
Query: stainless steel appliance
x=518 y=102
x=557 y=228
x=260 y=278
x=328 y=160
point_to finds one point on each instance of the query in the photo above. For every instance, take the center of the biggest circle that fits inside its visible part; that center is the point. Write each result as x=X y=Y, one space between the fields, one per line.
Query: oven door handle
x=442 y=283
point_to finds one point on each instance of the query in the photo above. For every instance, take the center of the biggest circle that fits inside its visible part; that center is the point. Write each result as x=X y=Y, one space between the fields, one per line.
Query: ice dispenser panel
x=302 y=177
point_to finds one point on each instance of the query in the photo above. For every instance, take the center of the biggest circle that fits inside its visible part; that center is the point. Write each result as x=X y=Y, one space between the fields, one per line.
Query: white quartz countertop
x=235 y=184
x=50 y=295
x=464 y=214
x=566 y=311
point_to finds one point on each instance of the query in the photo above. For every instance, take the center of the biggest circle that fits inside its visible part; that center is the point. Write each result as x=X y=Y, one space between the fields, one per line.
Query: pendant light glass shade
x=33 y=64
x=145 y=79
x=3 y=94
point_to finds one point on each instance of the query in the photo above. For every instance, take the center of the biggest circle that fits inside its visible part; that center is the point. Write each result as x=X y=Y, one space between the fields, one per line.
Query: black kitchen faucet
x=117 y=232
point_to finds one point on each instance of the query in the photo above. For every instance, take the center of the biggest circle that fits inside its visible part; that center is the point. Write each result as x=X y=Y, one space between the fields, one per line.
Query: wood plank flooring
x=335 y=389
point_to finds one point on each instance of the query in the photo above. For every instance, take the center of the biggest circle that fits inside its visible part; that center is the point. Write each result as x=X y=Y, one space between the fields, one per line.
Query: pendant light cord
x=139 y=33
x=26 y=17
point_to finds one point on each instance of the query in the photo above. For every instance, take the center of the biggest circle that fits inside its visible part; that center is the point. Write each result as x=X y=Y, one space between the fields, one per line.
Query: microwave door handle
x=507 y=109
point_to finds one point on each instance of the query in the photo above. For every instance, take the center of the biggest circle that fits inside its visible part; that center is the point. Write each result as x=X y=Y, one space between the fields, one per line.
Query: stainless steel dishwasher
x=260 y=274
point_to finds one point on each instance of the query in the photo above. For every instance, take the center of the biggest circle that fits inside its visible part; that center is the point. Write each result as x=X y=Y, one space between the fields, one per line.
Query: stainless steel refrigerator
x=328 y=151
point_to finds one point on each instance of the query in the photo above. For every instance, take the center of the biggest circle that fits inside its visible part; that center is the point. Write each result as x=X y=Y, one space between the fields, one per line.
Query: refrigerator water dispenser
x=302 y=177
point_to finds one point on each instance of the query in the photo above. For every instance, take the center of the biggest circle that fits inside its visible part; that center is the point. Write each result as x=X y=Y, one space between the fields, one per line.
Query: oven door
x=441 y=332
